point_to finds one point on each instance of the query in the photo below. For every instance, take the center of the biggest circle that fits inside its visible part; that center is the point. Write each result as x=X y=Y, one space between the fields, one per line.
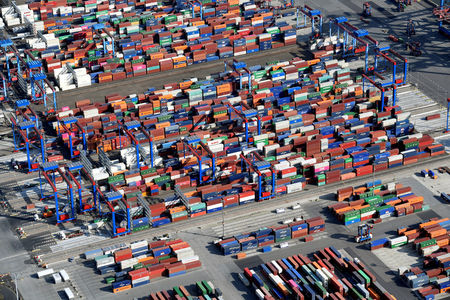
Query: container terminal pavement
x=136 y=164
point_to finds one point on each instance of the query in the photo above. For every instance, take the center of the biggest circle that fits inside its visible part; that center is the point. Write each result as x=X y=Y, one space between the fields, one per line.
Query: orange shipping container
x=417 y=199
x=432 y=223
x=437 y=232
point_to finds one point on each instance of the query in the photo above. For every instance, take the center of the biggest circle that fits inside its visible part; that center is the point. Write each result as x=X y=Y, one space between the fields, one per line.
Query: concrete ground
x=430 y=73
x=223 y=270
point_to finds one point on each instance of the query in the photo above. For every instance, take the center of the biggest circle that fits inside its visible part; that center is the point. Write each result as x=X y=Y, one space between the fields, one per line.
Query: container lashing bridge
x=137 y=140
x=193 y=142
x=87 y=196
x=64 y=200
x=70 y=127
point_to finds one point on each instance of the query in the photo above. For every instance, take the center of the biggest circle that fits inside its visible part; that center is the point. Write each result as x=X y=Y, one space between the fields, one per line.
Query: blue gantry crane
x=196 y=5
x=238 y=67
x=443 y=12
x=244 y=115
x=260 y=164
x=38 y=80
x=119 y=211
x=76 y=134
x=27 y=135
x=314 y=15
x=6 y=45
x=98 y=30
x=4 y=87
x=192 y=143
x=355 y=40
x=64 y=200
x=138 y=138
x=246 y=163
x=87 y=195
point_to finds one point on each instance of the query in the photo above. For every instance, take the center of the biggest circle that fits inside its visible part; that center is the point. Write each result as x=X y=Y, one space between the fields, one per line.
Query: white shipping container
x=64 y=275
x=398 y=240
x=295 y=187
x=56 y=278
x=138 y=244
x=395 y=157
x=107 y=261
x=69 y=293
x=388 y=122
x=139 y=280
x=214 y=206
x=275 y=264
x=306 y=128
x=259 y=294
x=288 y=175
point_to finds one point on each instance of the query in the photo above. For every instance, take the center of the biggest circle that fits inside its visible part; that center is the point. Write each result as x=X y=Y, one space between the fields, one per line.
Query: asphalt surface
x=223 y=270
x=431 y=74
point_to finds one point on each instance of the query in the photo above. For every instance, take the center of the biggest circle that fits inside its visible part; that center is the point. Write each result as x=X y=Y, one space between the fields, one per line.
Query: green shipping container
x=283 y=239
x=364 y=275
x=110 y=280
x=399 y=244
x=140 y=228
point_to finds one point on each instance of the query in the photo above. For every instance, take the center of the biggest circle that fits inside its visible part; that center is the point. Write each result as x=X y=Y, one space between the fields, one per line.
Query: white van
x=288 y=221
x=280 y=210
x=284 y=245
x=295 y=206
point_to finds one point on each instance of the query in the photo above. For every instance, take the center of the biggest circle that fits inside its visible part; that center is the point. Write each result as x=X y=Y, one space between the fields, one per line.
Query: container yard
x=226 y=149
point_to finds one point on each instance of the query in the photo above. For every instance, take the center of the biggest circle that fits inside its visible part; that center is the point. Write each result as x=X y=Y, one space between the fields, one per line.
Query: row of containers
x=326 y=275
x=431 y=240
x=304 y=136
x=140 y=262
x=107 y=42
x=269 y=236
x=376 y=200
x=202 y=290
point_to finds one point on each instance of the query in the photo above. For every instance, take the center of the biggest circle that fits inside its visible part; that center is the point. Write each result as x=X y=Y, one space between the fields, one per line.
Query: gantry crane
x=443 y=13
x=64 y=203
x=97 y=30
x=87 y=196
x=314 y=15
x=261 y=164
x=71 y=127
x=27 y=134
x=244 y=115
x=192 y=142
x=237 y=67
x=137 y=140
x=246 y=162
